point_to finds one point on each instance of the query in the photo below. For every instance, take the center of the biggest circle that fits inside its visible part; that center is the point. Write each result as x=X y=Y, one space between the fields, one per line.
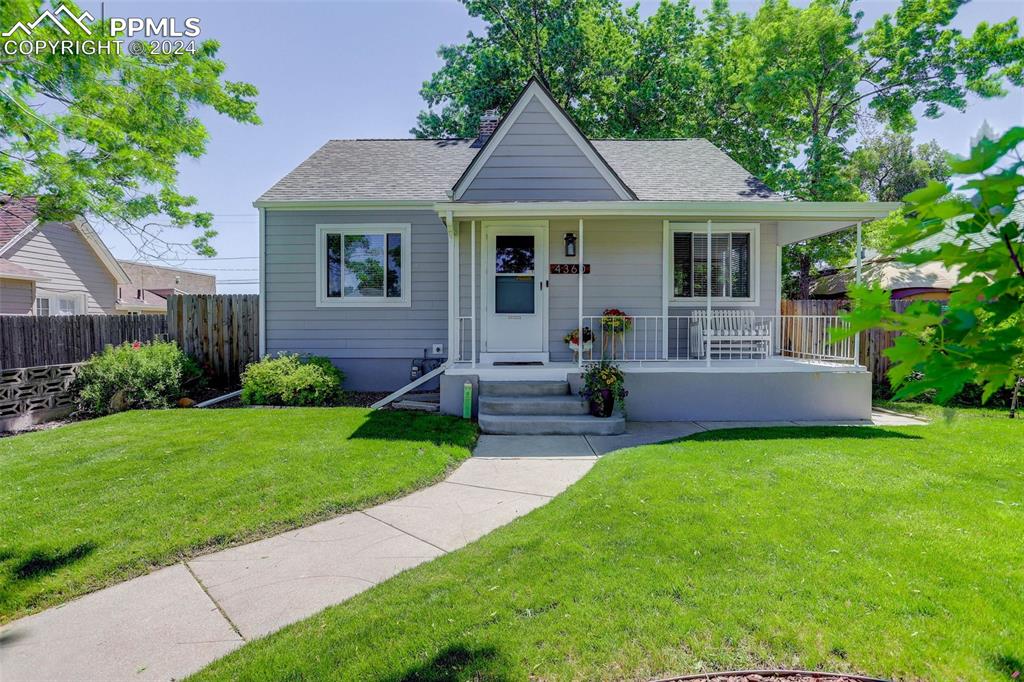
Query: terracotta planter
x=604 y=407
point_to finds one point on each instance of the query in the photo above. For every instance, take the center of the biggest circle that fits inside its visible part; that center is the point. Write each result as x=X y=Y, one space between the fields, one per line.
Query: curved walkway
x=176 y=620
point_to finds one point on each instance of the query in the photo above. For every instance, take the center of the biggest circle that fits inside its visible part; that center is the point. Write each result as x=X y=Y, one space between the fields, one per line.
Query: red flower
x=136 y=345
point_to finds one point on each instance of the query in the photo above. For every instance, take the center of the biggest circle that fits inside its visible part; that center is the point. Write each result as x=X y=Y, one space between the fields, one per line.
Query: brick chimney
x=488 y=124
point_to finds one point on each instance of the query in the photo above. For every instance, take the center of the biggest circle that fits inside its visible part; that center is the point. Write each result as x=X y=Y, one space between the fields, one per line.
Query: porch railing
x=728 y=335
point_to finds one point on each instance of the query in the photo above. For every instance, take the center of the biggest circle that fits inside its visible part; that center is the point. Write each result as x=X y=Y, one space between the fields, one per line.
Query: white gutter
x=762 y=210
x=351 y=205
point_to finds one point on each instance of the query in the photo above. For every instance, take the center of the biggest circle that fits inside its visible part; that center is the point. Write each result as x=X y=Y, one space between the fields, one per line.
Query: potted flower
x=603 y=384
x=573 y=339
x=614 y=323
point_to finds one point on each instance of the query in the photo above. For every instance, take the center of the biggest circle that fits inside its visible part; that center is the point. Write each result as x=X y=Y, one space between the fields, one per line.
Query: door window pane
x=364 y=265
x=513 y=295
x=513 y=254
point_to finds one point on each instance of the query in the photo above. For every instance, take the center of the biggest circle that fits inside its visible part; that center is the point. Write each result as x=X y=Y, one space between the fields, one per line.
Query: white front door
x=515 y=277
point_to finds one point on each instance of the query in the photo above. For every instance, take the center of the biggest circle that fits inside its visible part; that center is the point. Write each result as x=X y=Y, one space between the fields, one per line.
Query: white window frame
x=323 y=301
x=54 y=300
x=699 y=231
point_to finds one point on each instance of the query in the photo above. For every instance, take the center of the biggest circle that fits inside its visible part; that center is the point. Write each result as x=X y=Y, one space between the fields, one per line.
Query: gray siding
x=374 y=346
x=15 y=297
x=60 y=253
x=538 y=161
x=625 y=255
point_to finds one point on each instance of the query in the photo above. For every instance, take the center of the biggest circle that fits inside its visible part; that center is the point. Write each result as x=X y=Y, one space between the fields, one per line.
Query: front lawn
x=96 y=502
x=894 y=552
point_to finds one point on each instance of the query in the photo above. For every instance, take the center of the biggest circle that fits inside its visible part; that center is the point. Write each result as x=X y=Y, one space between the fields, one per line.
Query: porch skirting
x=794 y=392
x=749 y=396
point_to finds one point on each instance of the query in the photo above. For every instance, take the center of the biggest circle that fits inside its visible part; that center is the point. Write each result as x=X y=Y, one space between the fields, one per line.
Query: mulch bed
x=779 y=676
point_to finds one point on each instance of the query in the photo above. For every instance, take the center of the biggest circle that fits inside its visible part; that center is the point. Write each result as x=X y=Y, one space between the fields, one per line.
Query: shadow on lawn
x=458 y=662
x=39 y=562
x=416 y=426
x=797 y=432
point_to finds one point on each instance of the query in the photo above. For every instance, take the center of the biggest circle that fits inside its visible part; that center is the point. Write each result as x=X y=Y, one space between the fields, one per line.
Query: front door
x=515 y=276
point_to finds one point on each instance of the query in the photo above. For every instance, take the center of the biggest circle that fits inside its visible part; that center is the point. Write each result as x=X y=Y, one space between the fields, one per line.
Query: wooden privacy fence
x=30 y=341
x=872 y=342
x=220 y=331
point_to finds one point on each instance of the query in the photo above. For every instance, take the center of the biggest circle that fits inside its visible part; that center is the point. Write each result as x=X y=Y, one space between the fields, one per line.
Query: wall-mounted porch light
x=570 y=245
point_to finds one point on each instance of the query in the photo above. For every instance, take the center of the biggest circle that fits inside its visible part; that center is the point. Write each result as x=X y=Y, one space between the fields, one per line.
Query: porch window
x=365 y=265
x=733 y=255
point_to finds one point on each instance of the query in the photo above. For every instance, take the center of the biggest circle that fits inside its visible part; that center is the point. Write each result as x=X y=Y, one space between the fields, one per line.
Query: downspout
x=263 y=283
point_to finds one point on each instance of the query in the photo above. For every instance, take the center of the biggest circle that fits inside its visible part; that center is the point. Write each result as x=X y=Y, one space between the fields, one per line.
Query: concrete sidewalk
x=176 y=620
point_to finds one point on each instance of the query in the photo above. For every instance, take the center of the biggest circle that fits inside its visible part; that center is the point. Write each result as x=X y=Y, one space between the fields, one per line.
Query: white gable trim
x=534 y=89
x=101 y=250
x=18 y=237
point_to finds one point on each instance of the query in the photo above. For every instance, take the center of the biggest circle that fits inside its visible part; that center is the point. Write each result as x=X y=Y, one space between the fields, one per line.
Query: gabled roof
x=535 y=91
x=424 y=170
x=16 y=216
x=19 y=218
x=417 y=170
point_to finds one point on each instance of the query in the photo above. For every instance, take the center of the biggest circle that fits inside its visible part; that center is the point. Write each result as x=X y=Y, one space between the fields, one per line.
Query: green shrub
x=135 y=376
x=289 y=379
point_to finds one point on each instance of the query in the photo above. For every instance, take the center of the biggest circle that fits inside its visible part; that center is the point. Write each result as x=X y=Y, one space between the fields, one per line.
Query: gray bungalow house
x=469 y=261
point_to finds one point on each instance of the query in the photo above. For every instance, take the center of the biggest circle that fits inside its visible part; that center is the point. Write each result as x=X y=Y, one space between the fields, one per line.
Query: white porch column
x=707 y=345
x=857 y=278
x=579 y=326
x=472 y=288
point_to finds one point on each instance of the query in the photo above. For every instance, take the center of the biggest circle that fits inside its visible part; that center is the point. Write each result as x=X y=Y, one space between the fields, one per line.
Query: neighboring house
x=378 y=253
x=150 y=285
x=928 y=281
x=53 y=268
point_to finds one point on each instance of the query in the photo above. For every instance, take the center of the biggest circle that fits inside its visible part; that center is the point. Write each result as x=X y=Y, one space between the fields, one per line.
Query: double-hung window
x=363 y=265
x=60 y=304
x=733 y=262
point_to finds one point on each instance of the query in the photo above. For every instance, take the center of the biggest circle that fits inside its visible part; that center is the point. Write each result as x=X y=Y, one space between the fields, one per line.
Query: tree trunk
x=804 y=277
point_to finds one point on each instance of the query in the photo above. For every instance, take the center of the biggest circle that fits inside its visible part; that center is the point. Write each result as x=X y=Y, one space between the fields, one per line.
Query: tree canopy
x=103 y=134
x=781 y=90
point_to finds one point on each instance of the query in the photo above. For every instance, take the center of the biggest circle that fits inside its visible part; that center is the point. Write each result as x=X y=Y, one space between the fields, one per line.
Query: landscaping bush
x=135 y=376
x=290 y=379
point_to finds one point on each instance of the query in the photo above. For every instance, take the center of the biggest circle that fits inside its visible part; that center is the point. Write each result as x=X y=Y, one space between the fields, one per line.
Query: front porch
x=686 y=300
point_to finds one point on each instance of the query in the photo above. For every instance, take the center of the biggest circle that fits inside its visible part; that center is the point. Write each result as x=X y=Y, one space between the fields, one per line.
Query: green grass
x=96 y=502
x=888 y=551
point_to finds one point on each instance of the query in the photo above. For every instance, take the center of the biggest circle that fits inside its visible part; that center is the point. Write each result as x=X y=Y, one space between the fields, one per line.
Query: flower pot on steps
x=603 y=408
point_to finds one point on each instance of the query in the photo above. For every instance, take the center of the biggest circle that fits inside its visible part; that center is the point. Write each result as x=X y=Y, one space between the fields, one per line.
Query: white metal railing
x=726 y=335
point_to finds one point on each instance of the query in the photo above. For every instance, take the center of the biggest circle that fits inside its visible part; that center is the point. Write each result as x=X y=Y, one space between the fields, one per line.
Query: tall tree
x=780 y=91
x=887 y=166
x=102 y=134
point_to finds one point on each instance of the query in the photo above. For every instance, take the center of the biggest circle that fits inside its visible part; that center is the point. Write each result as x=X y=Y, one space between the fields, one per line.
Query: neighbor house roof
x=19 y=217
x=16 y=215
x=9 y=270
x=426 y=170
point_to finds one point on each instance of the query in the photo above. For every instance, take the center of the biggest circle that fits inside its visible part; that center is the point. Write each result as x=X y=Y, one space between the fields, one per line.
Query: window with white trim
x=363 y=265
x=734 y=261
x=60 y=304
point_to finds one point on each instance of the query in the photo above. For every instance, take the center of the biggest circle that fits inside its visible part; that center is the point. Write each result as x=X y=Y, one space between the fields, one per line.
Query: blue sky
x=348 y=69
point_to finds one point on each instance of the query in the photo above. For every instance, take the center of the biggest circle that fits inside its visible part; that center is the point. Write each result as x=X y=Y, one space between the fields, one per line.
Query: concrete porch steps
x=521 y=408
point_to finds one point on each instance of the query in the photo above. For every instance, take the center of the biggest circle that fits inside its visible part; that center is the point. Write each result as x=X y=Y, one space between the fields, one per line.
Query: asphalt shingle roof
x=15 y=216
x=411 y=169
